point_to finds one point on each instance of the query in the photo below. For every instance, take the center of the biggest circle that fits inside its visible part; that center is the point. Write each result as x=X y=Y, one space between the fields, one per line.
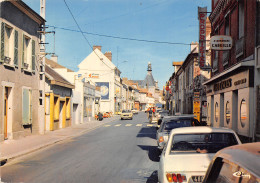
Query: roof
x=245 y=155
x=55 y=65
x=57 y=79
x=201 y=129
x=177 y=63
x=28 y=11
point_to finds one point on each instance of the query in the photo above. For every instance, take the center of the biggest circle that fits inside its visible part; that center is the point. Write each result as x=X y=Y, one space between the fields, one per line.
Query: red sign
x=202 y=35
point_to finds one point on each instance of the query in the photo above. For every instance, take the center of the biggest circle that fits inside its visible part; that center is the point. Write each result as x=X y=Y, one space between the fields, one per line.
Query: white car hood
x=198 y=162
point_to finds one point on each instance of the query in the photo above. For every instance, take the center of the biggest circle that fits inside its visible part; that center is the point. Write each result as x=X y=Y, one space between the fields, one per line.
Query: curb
x=4 y=160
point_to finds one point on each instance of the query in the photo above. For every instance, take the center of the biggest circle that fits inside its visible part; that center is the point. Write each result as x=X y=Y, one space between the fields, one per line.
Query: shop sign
x=223 y=84
x=221 y=42
x=196 y=109
x=202 y=15
x=235 y=82
x=93 y=75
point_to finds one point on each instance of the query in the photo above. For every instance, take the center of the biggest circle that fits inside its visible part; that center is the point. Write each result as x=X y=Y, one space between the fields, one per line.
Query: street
x=121 y=151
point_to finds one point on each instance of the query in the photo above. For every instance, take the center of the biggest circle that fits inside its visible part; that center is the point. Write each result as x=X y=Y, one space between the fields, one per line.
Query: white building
x=99 y=69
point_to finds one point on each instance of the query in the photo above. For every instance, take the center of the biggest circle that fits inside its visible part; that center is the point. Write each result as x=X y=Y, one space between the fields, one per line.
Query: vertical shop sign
x=196 y=105
x=202 y=16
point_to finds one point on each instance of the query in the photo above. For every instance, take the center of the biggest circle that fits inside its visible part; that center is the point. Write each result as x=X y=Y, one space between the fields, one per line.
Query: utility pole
x=41 y=69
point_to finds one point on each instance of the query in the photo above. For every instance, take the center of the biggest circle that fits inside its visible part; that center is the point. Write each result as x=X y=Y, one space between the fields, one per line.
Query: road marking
x=128 y=125
x=139 y=125
x=149 y=125
x=118 y=125
x=107 y=125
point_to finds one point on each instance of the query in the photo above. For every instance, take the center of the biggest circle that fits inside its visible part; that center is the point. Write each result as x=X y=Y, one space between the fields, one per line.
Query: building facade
x=19 y=70
x=231 y=91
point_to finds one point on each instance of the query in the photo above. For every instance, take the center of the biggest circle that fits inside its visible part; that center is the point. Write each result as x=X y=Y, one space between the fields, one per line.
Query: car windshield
x=202 y=143
x=126 y=111
x=168 y=126
x=163 y=113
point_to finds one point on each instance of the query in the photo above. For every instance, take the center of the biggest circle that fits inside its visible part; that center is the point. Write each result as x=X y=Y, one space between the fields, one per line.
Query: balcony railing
x=240 y=47
x=215 y=64
x=225 y=57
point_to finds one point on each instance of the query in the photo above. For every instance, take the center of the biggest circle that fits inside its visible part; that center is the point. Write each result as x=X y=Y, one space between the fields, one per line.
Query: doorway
x=7 y=105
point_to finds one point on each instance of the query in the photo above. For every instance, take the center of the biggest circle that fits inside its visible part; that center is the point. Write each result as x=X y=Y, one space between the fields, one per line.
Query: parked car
x=134 y=111
x=106 y=115
x=240 y=163
x=160 y=116
x=171 y=122
x=126 y=114
x=189 y=151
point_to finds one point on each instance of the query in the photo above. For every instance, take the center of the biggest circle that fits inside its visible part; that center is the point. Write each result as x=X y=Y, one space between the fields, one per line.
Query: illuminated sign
x=221 y=42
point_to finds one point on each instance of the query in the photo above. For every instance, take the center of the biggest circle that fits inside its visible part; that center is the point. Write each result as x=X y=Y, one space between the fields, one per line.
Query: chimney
x=109 y=55
x=54 y=58
x=98 y=47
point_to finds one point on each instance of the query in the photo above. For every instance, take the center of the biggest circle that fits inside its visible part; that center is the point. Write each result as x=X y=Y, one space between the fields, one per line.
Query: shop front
x=230 y=100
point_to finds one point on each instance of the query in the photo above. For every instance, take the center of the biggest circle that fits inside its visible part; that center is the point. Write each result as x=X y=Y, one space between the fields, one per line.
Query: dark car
x=171 y=122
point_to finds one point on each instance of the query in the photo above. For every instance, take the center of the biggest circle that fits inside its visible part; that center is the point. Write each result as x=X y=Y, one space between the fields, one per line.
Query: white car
x=189 y=151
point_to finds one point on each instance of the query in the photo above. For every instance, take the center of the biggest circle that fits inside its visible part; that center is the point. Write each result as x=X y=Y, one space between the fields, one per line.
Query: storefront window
x=228 y=112
x=216 y=112
x=243 y=113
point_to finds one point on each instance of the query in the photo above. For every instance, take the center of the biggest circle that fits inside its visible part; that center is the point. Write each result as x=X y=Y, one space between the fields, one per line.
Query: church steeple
x=149 y=68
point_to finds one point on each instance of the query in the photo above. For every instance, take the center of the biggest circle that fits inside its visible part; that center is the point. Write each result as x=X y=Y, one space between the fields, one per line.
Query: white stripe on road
x=149 y=125
x=128 y=125
x=118 y=125
x=107 y=125
x=139 y=125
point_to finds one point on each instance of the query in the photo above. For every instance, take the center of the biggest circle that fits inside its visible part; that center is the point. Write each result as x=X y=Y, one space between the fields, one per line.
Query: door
x=5 y=111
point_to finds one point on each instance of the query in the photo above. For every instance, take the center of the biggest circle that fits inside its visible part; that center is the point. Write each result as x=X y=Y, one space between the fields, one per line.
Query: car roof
x=180 y=116
x=244 y=155
x=200 y=129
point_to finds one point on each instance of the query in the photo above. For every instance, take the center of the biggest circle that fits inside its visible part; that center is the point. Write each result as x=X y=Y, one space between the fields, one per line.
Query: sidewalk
x=14 y=148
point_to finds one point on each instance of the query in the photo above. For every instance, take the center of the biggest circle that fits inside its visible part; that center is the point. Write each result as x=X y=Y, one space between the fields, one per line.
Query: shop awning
x=245 y=63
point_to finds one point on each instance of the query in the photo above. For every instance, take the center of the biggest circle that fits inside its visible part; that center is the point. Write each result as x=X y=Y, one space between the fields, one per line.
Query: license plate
x=197 y=178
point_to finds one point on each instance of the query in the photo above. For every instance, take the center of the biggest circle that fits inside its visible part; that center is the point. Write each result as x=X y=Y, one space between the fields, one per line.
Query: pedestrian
x=150 y=114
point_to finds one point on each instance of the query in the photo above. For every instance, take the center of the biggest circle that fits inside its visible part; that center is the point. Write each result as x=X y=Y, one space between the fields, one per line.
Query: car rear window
x=168 y=126
x=202 y=143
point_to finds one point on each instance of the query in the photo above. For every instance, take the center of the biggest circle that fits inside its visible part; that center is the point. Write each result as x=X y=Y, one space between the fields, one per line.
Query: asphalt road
x=122 y=151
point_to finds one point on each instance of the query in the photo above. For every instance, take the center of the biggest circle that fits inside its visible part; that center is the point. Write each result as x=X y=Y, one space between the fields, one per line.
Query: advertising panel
x=104 y=87
x=221 y=42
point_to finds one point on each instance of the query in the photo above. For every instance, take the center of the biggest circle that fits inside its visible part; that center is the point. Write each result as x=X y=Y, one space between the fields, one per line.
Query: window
x=241 y=17
x=9 y=45
x=27 y=106
x=26 y=53
x=56 y=108
x=209 y=142
x=243 y=113
x=216 y=112
x=228 y=112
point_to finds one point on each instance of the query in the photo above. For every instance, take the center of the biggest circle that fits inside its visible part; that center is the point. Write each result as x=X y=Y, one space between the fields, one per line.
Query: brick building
x=231 y=91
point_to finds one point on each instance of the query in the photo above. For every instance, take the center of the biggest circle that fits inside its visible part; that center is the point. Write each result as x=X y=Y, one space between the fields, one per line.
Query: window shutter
x=16 y=48
x=23 y=54
x=27 y=108
x=33 y=55
x=2 y=41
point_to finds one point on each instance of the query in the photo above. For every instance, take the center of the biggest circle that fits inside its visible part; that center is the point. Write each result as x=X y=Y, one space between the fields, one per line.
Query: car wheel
x=121 y=118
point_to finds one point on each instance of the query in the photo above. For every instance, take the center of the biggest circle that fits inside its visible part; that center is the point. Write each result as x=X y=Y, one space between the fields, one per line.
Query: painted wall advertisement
x=104 y=87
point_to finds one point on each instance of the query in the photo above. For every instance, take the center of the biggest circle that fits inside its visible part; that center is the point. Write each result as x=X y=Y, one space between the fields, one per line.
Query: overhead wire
x=101 y=59
x=119 y=37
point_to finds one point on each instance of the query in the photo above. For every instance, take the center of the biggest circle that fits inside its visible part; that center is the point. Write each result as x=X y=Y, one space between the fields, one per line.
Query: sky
x=172 y=21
